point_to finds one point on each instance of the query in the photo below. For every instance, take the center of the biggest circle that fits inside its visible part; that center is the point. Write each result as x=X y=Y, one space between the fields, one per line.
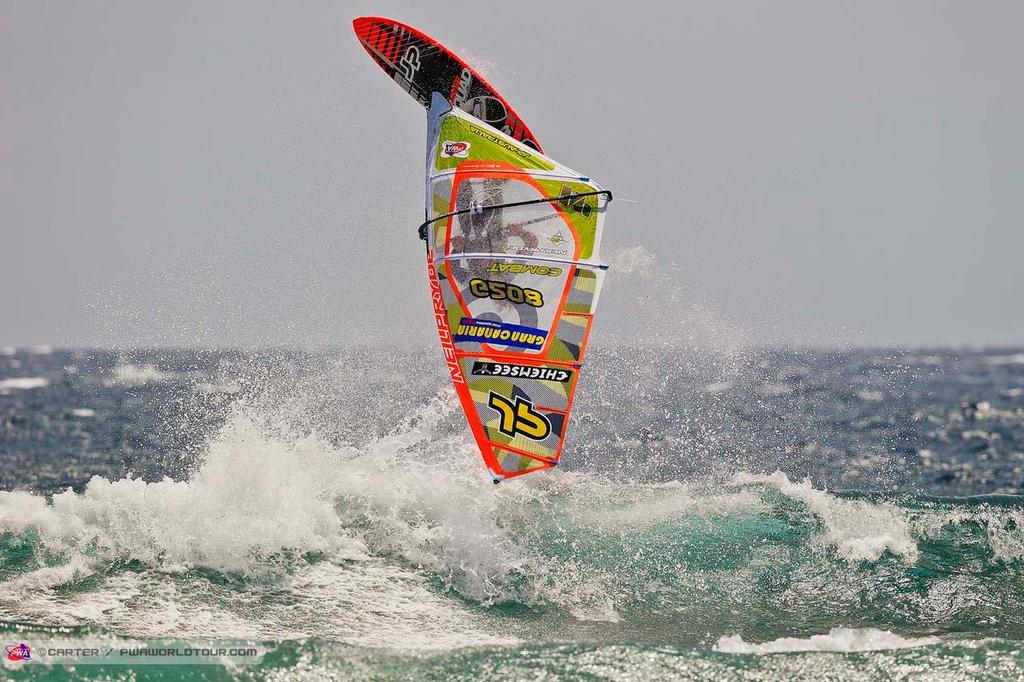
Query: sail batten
x=486 y=256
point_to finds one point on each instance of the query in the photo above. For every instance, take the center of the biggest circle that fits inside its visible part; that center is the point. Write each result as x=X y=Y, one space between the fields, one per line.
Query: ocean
x=299 y=515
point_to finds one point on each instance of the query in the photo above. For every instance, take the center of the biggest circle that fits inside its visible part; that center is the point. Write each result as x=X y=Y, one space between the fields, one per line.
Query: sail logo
x=540 y=249
x=441 y=320
x=494 y=139
x=518 y=418
x=502 y=369
x=454 y=149
x=521 y=268
x=582 y=205
x=19 y=652
x=500 y=333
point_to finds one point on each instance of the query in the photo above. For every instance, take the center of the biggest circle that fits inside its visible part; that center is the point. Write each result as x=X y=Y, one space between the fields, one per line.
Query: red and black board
x=421 y=65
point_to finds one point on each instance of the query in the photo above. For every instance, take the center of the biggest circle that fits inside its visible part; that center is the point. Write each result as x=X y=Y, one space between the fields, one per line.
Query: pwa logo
x=19 y=652
x=518 y=417
x=459 y=149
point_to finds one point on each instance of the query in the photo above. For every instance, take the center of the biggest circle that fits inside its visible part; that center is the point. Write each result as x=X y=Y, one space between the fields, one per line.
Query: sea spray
x=622 y=560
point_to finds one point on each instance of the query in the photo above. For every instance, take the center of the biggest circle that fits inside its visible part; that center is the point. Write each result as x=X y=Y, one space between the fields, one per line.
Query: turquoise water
x=355 y=536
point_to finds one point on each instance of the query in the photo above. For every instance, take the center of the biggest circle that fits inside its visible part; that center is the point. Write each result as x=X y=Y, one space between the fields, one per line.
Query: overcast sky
x=217 y=173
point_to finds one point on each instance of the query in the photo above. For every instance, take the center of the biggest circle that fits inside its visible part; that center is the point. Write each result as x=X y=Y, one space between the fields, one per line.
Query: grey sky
x=242 y=173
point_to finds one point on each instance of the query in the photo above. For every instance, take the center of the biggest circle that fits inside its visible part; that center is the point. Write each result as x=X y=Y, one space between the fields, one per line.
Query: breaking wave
x=403 y=540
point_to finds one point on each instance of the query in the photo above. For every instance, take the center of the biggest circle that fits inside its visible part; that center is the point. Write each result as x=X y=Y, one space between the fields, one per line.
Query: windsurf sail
x=513 y=243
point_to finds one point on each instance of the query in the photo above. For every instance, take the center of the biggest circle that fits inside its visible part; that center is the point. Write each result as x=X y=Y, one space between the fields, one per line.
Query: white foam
x=1004 y=527
x=138 y=375
x=859 y=530
x=23 y=383
x=253 y=497
x=366 y=603
x=997 y=360
x=1005 y=530
x=258 y=493
x=43 y=579
x=870 y=395
x=838 y=639
x=921 y=360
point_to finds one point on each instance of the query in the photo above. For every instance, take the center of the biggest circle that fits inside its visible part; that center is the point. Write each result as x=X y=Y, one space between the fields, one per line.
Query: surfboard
x=422 y=66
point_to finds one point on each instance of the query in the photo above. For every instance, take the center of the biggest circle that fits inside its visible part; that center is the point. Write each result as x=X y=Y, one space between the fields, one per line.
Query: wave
x=139 y=375
x=859 y=530
x=402 y=539
x=23 y=383
x=837 y=639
